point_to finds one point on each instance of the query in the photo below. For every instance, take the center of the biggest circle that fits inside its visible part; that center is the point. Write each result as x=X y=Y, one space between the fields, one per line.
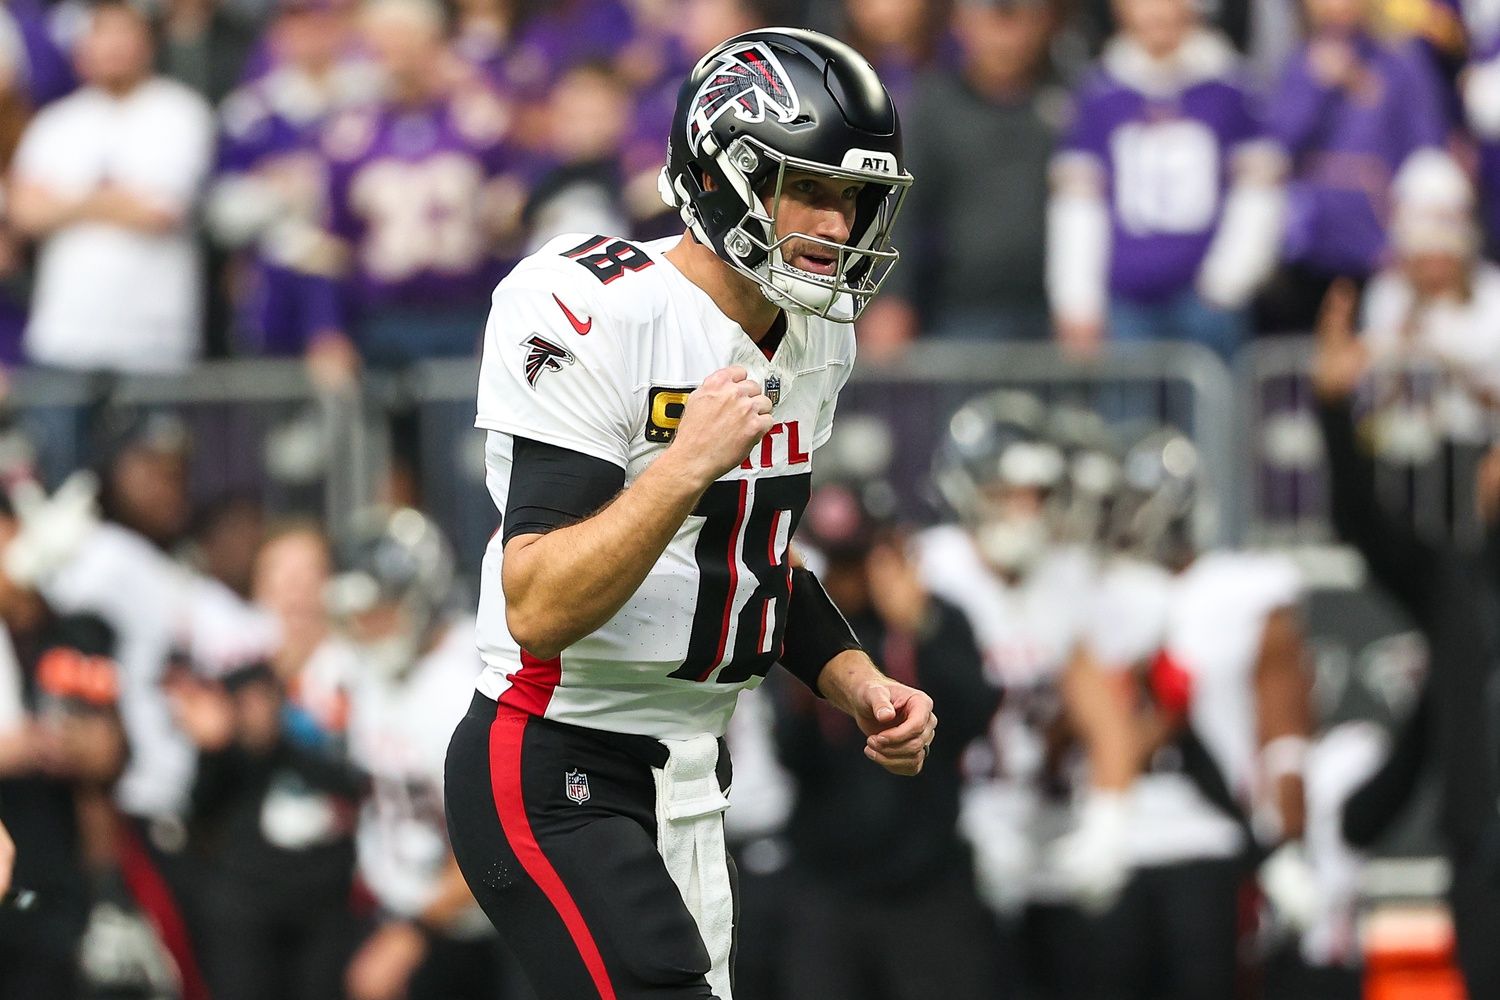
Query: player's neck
x=737 y=297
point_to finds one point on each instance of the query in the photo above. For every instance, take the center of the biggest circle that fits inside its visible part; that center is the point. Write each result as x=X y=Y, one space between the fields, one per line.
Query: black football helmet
x=398 y=558
x=995 y=444
x=776 y=100
x=1160 y=485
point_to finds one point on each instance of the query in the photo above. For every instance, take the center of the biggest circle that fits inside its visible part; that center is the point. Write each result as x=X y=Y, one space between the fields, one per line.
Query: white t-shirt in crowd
x=108 y=297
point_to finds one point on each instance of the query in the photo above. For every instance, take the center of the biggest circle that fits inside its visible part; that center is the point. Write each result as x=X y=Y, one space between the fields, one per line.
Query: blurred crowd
x=222 y=734
x=345 y=181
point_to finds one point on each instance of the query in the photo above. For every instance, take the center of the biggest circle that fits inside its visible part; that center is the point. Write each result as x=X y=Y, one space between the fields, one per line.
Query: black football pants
x=554 y=828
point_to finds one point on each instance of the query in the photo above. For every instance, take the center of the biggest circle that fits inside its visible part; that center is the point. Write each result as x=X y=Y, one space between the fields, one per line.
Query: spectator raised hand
x=1342 y=359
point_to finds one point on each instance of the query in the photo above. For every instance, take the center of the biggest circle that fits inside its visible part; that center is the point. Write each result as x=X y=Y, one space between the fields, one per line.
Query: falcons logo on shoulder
x=751 y=82
x=544 y=356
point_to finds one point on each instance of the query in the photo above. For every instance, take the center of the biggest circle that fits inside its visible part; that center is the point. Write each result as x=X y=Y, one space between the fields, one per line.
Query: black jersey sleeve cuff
x=552 y=487
x=816 y=631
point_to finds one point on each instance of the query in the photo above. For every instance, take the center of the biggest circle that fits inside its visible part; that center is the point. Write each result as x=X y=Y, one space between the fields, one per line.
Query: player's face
x=150 y=492
x=1018 y=503
x=703 y=24
x=1003 y=42
x=887 y=23
x=1013 y=530
x=817 y=206
x=1158 y=25
x=589 y=113
x=380 y=623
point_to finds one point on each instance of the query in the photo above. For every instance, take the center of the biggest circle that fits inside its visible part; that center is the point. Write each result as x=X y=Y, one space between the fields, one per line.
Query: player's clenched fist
x=721 y=421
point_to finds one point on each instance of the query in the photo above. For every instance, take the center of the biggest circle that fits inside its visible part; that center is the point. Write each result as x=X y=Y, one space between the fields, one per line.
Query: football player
x=1009 y=481
x=1216 y=743
x=416 y=669
x=652 y=411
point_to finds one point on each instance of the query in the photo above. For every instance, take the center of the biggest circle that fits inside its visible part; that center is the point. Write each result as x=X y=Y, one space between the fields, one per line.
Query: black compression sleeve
x=552 y=487
x=815 y=630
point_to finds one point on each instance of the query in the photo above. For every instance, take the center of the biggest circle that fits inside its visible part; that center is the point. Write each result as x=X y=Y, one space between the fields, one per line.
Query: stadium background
x=252 y=432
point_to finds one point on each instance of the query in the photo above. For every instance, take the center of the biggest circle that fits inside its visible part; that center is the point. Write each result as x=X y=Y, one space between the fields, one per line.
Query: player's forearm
x=845 y=678
x=561 y=586
x=1105 y=722
x=1283 y=716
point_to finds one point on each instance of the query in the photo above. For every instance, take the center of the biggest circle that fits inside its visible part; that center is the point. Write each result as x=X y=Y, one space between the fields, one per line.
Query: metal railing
x=257 y=426
x=260 y=426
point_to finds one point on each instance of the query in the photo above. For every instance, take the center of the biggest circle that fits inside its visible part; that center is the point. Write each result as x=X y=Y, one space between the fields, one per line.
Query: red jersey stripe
x=531 y=687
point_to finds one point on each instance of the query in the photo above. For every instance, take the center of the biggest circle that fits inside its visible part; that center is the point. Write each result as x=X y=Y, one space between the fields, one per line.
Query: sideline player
x=585 y=786
x=1199 y=653
x=1006 y=565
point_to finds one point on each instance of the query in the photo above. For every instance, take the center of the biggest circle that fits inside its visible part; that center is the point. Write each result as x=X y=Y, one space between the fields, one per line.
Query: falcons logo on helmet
x=749 y=81
x=544 y=356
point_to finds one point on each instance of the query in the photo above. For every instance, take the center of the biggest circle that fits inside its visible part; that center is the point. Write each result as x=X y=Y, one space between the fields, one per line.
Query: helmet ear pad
x=716 y=208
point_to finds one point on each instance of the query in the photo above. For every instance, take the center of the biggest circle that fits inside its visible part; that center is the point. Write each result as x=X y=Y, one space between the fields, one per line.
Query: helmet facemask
x=1009 y=503
x=750 y=245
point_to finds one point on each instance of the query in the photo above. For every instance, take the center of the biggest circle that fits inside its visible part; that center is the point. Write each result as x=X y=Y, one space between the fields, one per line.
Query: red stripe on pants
x=506 y=735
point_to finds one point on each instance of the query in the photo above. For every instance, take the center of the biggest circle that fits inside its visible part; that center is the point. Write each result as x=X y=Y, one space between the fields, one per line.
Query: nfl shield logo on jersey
x=576 y=783
x=773 y=388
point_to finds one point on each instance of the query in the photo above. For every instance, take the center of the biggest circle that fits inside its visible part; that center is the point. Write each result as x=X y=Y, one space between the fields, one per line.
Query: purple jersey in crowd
x=48 y=73
x=406 y=195
x=269 y=130
x=1165 y=158
x=1346 y=146
x=562 y=36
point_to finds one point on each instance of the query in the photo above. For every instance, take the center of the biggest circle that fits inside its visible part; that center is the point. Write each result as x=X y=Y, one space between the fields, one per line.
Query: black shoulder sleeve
x=552 y=487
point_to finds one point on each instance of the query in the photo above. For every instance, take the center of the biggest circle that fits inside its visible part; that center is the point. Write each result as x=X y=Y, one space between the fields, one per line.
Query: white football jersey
x=592 y=345
x=398 y=734
x=1209 y=620
x=1219 y=617
x=1027 y=631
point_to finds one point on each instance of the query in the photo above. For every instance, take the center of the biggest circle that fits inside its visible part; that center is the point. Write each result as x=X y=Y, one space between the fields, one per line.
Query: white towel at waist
x=690 y=838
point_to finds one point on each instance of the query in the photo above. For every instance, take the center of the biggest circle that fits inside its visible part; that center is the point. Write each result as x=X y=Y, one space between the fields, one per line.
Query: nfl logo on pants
x=576 y=784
